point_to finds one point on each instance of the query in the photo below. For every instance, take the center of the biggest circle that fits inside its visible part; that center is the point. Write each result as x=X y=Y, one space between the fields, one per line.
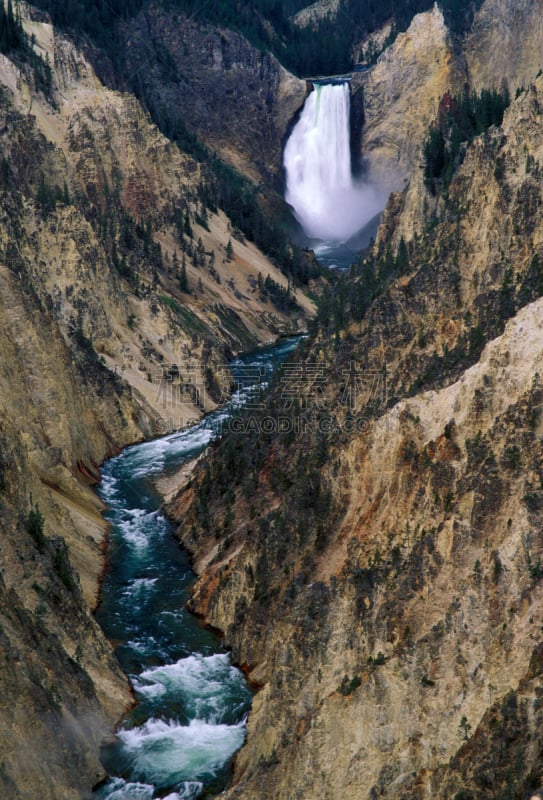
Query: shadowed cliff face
x=381 y=573
x=235 y=98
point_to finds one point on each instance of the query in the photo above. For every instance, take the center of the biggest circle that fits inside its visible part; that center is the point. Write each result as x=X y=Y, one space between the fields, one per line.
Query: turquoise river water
x=179 y=740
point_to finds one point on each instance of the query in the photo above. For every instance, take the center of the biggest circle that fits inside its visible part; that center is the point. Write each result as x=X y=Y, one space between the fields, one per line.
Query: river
x=178 y=741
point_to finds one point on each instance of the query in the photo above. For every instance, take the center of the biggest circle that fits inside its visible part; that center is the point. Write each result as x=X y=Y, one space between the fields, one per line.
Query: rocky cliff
x=316 y=12
x=380 y=579
x=234 y=97
x=116 y=282
x=402 y=91
x=505 y=42
x=401 y=94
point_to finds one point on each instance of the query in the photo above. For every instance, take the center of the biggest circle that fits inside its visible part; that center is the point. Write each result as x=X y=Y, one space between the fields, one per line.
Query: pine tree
x=183 y=279
x=199 y=256
x=12 y=35
x=5 y=171
x=45 y=195
x=187 y=227
x=204 y=222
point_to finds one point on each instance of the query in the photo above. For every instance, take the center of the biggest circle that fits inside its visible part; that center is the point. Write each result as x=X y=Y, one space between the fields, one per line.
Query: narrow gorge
x=331 y=588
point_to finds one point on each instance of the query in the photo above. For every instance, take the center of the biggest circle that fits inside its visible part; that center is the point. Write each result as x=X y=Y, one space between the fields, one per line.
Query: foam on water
x=119 y=789
x=141 y=585
x=138 y=526
x=212 y=689
x=165 y=753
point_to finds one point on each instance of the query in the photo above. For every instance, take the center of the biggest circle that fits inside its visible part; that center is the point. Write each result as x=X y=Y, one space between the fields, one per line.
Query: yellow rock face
x=401 y=96
x=505 y=44
x=402 y=91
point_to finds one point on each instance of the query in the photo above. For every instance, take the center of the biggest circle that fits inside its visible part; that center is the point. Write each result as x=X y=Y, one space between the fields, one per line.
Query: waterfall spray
x=317 y=160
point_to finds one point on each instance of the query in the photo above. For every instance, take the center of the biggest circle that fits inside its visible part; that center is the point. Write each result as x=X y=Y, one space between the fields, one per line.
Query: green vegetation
x=234 y=326
x=34 y=526
x=351 y=295
x=129 y=243
x=94 y=18
x=48 y=196
x=61 y=564
x=12 y=35
x=282 y=298
x=240 y=472
x=347 y=687
x=512 y=457
x=225 y=188
x=188 y=320
x=464 y=728
x=183 y=278
x=460 y=120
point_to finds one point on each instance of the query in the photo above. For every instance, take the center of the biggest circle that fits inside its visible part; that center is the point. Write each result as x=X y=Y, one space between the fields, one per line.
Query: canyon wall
x=236 y=98
x=380 y=580
x=402 y=91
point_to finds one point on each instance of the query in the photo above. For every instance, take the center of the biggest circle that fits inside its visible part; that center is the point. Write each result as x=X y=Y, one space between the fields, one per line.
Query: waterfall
x=326 y=200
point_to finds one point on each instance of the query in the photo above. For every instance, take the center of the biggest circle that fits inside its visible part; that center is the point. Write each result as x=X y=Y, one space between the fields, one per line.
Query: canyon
x=396 y=648
x=379 y=579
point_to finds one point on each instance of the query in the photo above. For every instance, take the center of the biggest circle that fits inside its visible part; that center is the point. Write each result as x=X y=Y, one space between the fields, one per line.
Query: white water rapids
x=326 y=200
